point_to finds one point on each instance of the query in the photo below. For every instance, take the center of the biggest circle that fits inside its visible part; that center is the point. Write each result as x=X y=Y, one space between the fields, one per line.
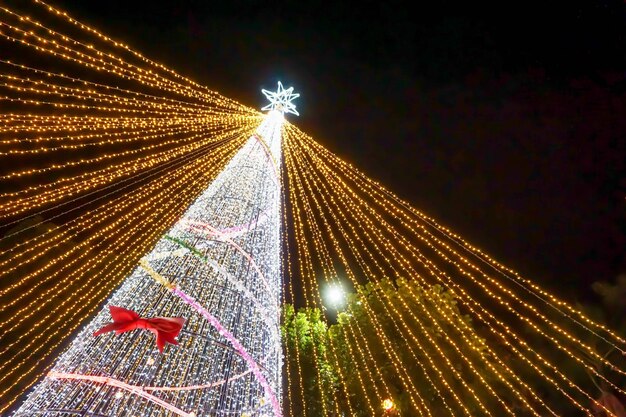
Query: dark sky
x=506 y=123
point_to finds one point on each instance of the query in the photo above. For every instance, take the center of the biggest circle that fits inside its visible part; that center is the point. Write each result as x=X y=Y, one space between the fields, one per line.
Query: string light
x=371 y=239
x=234 y=180
x=116 y=147
x=400 y=369
x=342 y=193
x=415 y=397
x=63 y=318
x=569 y=382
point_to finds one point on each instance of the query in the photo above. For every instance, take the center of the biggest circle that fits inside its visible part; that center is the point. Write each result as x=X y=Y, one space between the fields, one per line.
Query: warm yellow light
x=99 y=134
x=388 y=405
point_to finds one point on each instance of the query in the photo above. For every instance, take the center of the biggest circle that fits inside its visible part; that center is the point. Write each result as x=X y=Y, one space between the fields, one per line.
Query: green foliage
x=305 y=335
x=402 y=325
x=353 y=373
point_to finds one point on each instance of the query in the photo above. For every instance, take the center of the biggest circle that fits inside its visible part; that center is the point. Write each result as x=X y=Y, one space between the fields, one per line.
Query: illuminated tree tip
x=281 y=100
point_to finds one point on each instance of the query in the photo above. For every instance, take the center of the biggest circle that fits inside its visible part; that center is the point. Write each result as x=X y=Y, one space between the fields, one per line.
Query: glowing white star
x=281 y=100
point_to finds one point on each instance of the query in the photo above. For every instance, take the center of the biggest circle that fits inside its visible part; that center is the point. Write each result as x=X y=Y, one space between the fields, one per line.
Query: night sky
x=506 y=123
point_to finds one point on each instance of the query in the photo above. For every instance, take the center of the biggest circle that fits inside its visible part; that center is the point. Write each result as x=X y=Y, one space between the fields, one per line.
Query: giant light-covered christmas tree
x=90 y=133
x=219 y=268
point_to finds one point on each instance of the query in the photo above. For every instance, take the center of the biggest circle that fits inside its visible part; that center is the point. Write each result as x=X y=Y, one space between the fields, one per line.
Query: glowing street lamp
x=335 y=296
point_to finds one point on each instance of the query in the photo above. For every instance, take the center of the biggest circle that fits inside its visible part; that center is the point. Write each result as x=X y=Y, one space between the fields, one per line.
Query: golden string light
x=372 y=240
x=89 y=138
x=107 y=64
x=90 y=180
x=390 y=352
x=330 y=176
x=400 y=207
x=110 y=268
x=331 y=274
x=156 y=67
x=289 y=269
x=87 y=223
x=112 y=147
x=402 y=373
x=157 y=100
x=60 y=284
x=580 y=361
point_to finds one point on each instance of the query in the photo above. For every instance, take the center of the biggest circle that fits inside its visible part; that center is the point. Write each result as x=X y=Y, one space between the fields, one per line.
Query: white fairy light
x=233 y=273
x=281 y=100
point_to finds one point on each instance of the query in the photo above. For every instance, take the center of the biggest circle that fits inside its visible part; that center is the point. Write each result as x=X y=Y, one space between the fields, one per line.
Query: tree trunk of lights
x=225 y=253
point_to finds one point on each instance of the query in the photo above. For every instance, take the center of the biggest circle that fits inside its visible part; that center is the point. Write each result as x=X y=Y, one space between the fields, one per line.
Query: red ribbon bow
x=164 y=328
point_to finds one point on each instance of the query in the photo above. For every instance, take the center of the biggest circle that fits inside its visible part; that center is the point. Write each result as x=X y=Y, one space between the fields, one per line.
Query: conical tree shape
x=219 y=269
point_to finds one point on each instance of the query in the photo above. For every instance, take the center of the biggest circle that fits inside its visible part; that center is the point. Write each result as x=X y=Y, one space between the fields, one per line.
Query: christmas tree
x=128 y=184
x=219 y=268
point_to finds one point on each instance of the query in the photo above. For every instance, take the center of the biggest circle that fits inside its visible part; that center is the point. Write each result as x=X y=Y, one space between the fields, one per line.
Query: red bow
x=164 y=328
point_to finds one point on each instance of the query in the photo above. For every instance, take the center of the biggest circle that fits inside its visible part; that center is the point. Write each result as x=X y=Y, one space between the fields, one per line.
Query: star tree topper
x=281 y=100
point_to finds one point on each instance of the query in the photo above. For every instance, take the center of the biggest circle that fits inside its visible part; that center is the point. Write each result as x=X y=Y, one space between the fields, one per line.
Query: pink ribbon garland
x=229 y=232
x=254 y=367
x=119 y=384
x=239 y=348
x=219 y=235
x=270 y=157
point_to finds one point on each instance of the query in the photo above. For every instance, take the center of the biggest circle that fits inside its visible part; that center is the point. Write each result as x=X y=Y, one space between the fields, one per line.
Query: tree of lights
x=107 y=155
x=218 y=267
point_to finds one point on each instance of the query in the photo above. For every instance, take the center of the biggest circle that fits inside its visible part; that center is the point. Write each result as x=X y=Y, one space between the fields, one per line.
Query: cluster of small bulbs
x=118 y=147
x=230 y=344
x=82 y=289
x=110 y=148
x=351 y=220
